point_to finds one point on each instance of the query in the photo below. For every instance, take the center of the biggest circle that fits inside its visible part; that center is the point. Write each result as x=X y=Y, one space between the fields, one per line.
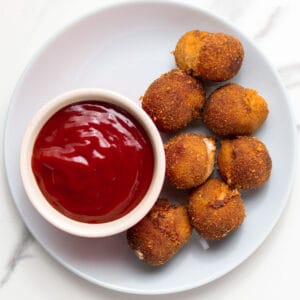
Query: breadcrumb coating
x=190 y=159
x=215 y=210
x=235 y=110
x=244 y=162
x=187 y=50
x=173 y=100
x=161 y=234
x=211 y=56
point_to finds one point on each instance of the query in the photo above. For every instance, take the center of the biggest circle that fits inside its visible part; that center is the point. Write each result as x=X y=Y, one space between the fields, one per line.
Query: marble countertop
x=28 y=272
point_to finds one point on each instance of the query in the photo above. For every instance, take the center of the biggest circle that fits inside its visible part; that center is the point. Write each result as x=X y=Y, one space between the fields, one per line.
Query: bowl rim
x=39 y=201
x=56 y=254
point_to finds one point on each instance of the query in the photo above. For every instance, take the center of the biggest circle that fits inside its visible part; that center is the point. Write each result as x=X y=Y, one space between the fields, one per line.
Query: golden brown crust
x=173 y=100
x=187 y=49
x=244 y=162
x=215 y=210
x=220 y=57
x=235 y=110
x=212 y=56
x=161 y=234
x=190 y=159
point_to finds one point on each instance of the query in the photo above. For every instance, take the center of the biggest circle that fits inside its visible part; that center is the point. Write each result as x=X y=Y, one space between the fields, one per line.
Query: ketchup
x=93 y=162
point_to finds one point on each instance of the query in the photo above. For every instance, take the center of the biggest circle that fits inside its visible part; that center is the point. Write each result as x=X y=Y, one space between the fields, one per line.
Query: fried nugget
x=244 y=162
x=215 y=210
x=173 y=100
x=190 y=159
x=235 y=110
x=212 y=56
x=161 y=234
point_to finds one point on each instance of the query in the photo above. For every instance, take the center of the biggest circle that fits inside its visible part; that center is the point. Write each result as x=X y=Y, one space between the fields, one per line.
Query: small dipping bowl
x=37 y=198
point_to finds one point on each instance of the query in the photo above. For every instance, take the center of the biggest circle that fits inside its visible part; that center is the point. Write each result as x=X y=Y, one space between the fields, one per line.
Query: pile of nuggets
x=232 y=113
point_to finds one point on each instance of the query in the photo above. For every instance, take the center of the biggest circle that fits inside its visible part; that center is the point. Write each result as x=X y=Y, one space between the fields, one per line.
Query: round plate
x=124 y=48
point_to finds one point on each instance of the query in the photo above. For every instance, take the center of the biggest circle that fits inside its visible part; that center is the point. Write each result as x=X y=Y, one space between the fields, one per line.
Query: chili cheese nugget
x=173 y=100
x=211 y=56
x=215 y=210
x=161 y=234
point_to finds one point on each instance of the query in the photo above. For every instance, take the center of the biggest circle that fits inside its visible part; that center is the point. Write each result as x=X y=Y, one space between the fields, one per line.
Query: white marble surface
x=28 y=272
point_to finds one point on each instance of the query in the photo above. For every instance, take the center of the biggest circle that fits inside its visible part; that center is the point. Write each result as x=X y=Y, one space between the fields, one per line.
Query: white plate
x=124 y=48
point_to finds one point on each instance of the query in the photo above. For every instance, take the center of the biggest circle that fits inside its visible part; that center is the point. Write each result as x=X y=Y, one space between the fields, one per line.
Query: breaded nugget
x=244 y=162
x=173 y=100
x=212 y=56
x=190 y=159
x=215 y=210
x=161 y=234
x=235 y=110
x=187 y=50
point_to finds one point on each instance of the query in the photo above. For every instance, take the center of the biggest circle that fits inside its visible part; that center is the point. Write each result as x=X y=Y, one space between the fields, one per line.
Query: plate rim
x=196 y=7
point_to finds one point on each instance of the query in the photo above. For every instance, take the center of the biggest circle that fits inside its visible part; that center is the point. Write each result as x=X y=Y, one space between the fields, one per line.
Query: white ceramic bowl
x=39 y=201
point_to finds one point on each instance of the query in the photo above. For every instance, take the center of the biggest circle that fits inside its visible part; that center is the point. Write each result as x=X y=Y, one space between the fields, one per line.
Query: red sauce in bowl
x=93 y=162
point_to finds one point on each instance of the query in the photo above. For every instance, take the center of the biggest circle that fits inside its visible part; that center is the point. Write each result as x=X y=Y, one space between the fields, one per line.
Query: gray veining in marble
x=290 y=75
x=17 y=255
x=269 y=25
